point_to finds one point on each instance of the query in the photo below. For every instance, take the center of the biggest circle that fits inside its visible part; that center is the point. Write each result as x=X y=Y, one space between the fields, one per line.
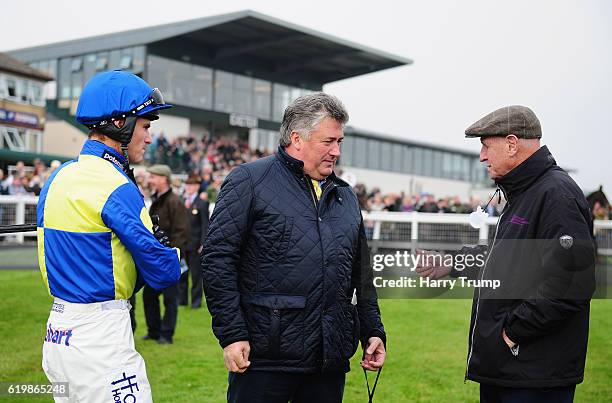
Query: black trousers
x=195 y=270
x=133 y=313
x=498 y=394
x=156 y=325
x=282 y=387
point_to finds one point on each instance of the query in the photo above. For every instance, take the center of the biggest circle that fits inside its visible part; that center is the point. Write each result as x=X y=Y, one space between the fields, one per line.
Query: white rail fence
x=388 y=230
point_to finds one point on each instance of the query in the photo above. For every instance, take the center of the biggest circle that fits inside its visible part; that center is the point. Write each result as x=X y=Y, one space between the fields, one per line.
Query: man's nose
x=335 y=150
x=483 y=156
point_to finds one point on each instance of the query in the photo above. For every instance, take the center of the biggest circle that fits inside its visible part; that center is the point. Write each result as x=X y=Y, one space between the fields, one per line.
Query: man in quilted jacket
x=286 y=267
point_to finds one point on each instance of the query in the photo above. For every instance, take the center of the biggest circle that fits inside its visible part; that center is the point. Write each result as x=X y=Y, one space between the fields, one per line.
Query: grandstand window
x=346 y=151
x=262 y=93
x=418 y=160
x=200 y=90
x=52 y=71
x=385 y=155
x=398 y=156
x=465 y=169
x=408 y=160
x=243 y=94
x=126 y=62
x=373 y=154
x=447 y=165
x=437 y=164
x=224 y=91
x=89 y=69
x=360 y=153
x=114 y=56
x=77 y=64
x=138 y=59
x=456 y=166
x=64 y=78
x=77 y=84
x=427 y=162
x=101 y=61
x=281 y=99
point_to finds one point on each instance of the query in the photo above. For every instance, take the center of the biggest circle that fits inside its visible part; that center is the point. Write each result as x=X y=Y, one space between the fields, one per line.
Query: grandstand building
x=233 y=75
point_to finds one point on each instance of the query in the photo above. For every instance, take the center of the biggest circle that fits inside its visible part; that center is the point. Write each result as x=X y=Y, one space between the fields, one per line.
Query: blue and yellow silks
x=95 y=234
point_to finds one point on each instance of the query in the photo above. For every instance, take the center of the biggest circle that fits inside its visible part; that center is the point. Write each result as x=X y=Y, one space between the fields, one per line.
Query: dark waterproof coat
x=279 y=269
x=198 y=218
x=172 y=218
x=543 y=254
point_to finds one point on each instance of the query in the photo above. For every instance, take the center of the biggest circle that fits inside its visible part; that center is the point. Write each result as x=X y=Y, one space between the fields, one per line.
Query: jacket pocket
x=346 y=333
x=274 y=237
x=276 y=325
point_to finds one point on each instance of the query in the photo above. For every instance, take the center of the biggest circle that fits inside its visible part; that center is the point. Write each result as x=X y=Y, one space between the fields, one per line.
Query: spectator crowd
x=211 y=159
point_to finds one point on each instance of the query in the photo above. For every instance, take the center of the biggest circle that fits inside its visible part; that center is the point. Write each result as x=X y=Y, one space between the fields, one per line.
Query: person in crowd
x=197 y=211
x=430 y=205
x=172 y=218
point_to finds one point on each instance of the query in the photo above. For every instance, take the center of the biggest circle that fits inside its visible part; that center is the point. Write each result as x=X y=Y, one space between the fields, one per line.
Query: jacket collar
x=524 y=175
x=297 y=167
x=99 y=149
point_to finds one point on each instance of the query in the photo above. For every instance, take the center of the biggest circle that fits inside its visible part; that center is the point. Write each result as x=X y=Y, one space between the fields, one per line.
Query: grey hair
x=306 y=112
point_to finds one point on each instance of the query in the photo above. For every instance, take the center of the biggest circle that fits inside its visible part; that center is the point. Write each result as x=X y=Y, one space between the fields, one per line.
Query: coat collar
x=297 y=167
x=524 y=175
x=99 y=149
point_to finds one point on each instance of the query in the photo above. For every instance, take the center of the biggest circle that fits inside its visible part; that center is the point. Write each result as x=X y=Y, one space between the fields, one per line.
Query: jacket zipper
x=313 y=198
x=467 y=366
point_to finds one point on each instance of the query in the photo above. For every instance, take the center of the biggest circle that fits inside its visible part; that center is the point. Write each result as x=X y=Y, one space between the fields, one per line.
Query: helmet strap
x=128 y=171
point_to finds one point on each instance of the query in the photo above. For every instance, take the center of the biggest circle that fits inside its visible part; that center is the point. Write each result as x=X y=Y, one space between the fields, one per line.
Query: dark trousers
x=195 y=270
x=498 y=394
x=156 y=325
x=133 y=312
x=282 y=387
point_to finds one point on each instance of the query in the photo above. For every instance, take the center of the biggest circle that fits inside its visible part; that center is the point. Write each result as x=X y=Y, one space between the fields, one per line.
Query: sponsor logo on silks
x=566 y=241
x=122 y=384
x=518 y=220
x=59 y=308
x=57 y=336
x=110 y=157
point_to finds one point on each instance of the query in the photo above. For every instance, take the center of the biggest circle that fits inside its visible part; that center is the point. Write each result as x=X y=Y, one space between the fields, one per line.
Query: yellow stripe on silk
x=85 y=187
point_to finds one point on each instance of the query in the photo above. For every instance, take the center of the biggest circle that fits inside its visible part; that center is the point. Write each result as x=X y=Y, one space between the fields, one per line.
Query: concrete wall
x=63 y=139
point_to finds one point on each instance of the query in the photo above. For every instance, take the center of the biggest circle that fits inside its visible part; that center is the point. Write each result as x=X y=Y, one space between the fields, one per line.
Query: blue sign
x=19 y=118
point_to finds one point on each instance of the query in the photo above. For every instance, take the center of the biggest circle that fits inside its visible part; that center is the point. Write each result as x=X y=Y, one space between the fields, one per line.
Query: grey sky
x=470 y=57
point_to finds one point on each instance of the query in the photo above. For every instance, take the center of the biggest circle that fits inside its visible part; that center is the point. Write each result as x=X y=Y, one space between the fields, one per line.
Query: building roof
x=12 y=65
x=262 y=45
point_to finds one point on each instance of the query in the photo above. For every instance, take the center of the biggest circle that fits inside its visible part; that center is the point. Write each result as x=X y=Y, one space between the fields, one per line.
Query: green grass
x=427 y=350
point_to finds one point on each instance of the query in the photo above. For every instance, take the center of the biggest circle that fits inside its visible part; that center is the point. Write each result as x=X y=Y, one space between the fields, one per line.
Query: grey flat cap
x=515 y=119
x=160 y=170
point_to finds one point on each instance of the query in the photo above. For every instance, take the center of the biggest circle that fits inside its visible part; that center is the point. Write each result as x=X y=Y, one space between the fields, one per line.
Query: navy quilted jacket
x=279 y=271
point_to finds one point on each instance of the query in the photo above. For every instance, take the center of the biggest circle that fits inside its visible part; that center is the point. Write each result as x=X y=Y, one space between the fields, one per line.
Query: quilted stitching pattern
x=265 y=240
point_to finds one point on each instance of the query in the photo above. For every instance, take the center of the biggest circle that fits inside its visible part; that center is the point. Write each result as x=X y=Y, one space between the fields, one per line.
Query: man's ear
x=296 y=140
x=119 y=123
x=512 y=144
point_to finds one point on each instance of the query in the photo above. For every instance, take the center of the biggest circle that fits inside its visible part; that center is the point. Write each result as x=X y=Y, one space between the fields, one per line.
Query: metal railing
x=388 y=230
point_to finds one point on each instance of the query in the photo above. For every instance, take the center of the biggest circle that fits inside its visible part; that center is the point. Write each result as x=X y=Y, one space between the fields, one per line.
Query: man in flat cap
x=528 y=337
